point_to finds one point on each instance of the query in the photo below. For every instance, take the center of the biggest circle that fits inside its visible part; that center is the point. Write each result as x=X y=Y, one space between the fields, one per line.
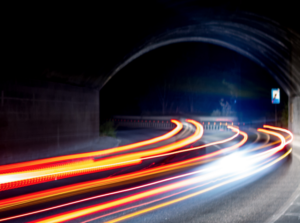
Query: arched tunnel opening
x=194 y=78
x=64 y=76
x=150 y=111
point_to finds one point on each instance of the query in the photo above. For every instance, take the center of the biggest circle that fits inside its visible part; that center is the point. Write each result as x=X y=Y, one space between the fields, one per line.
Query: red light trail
x=238 y=161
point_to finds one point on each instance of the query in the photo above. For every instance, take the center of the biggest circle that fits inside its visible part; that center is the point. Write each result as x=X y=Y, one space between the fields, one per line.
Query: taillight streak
x=107 y=205
x=117 y=179
x=28 y=164
x=10 y=181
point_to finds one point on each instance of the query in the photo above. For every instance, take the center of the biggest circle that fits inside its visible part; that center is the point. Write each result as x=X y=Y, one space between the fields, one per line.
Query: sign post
x=275 y=97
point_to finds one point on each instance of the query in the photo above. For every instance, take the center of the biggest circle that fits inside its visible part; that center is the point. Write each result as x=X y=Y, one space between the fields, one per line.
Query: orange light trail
x=97 y=153
x=155 y=170
x=282 y=130
x=125 y=177
x=275 y=149
x=152 y=201
x=104 y=195
x=163 y=149
x=199 y=192
x=199 y=147
x=85 y=211
x=10 y=181
x=165 y=197
x=95 y=208
x=104 y=164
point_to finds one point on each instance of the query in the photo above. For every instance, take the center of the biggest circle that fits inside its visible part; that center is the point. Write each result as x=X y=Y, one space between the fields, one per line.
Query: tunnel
x=57 y=65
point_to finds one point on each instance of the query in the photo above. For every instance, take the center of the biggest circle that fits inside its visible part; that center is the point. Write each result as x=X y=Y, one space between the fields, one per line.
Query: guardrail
x=164 y=122
x=143 y=123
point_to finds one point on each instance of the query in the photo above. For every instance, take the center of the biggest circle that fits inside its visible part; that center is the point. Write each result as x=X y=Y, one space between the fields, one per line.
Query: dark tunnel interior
x=192 y=78
x=150 y=111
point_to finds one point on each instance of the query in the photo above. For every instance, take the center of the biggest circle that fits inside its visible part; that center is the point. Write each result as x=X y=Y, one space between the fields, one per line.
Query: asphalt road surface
x=270 y=195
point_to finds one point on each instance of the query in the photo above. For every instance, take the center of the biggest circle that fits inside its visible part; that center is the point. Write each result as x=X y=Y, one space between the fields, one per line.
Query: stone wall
x=42 y=119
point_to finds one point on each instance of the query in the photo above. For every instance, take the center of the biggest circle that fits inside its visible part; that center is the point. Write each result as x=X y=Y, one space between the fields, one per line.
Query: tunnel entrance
x=194 y=78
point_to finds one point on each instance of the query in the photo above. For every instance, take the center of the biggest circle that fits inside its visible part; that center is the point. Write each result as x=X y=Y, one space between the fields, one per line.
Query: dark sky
x=190 y=78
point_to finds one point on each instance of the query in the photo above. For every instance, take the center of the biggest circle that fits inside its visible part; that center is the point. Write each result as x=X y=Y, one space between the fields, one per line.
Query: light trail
x=33 y=197
x=159 y=199
x=290 y=135
x=262 y=156
x=277 y=148
x=165 y=197
x=27 y=164
x=199 y=147
x=197 y=193
x=282 y=130
x=269 y=152
x=103 y=195
x=75 y=214
x=9 y=181
x=273 y=151
x=163 y=189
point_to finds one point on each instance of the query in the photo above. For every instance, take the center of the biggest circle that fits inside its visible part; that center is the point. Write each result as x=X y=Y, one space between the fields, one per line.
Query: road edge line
x=288 y=203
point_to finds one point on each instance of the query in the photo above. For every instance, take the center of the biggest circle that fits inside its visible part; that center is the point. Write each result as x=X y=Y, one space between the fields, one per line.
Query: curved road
x=270 y=195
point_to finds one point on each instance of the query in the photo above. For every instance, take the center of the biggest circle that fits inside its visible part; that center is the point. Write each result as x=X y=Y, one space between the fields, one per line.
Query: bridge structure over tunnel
x=51 y=100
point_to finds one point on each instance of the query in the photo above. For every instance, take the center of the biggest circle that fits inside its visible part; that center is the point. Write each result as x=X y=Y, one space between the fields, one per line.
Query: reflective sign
x=275 y=94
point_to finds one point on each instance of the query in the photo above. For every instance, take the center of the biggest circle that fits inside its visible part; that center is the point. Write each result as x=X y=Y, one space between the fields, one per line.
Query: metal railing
x=164 y=122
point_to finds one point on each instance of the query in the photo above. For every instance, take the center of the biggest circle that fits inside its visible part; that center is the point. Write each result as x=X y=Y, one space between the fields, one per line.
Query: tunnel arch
x=203 y=40
x=264 y=41
x=208 y=66
x=267 y=42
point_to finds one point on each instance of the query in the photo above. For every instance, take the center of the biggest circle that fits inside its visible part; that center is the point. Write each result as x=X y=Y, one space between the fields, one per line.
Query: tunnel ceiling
x=87 y=45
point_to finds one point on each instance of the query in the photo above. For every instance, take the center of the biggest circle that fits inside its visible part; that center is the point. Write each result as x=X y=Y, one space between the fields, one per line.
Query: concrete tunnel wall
x=294 y=114
x=41 y=119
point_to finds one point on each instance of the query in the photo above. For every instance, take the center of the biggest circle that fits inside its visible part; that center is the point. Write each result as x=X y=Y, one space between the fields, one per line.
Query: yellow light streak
x=199 y=192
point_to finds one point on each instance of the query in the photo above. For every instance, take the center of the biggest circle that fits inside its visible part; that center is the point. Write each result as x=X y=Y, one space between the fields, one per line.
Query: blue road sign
x=275 y=95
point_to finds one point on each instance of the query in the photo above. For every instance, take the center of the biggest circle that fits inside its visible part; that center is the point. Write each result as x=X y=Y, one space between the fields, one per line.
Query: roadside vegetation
x=108 y=129
x=285 y=117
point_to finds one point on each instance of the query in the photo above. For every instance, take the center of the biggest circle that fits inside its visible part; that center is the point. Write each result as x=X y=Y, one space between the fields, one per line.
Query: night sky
x=191 y=78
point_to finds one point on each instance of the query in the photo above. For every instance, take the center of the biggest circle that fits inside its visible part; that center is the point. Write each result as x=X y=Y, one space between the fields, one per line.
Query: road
x=220 y=177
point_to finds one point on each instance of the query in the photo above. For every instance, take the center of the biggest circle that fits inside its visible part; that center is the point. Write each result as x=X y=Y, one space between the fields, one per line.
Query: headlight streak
x=199 y=192
x=262 y=155
x=172 y=195
x=107 y=205
x=270 y=152
x=163 y=189
x=102 y=195
x=153 y=201
x=165 y=168
x=97 y=153
x=85 y=211
x=257 y=137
